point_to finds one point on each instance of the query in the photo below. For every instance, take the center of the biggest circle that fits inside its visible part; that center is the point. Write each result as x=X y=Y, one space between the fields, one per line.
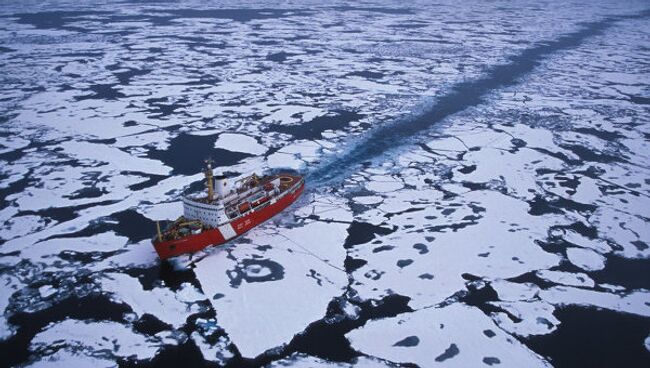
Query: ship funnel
x=221 y=186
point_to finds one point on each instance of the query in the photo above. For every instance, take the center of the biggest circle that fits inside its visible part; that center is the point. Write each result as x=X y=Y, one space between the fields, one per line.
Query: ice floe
x=300 y=360
x=566 y=278
x=484 y=241
x=250 y=283
x=66 y=358
x=635 y=302
x=166 y=305
x=453 y=336
x=526 y=318
x=96 y=339
x=239 y=143
x=586 y=259
x=8 y=286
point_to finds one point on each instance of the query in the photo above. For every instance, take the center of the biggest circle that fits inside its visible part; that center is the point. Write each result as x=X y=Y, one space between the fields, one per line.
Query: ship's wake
x=387 y=139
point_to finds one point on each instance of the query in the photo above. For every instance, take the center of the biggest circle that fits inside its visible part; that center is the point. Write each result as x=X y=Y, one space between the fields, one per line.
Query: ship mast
x=209 y=182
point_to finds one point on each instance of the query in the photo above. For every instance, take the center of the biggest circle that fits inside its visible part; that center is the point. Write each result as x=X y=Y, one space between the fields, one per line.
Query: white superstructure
x=213 y=214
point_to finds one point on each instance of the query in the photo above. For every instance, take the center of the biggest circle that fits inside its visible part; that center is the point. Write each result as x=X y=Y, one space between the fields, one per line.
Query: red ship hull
x=197 y=242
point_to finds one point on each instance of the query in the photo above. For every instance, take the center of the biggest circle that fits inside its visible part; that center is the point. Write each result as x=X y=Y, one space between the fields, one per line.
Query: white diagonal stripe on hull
x=227 y=231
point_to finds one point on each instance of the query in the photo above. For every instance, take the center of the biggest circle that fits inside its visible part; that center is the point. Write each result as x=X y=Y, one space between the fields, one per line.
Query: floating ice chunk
x=171 y=337
x=67 y=358
x=13 y=175
x=534 y=317
x=46 y=291
x=379 y=170
x=479 y=235
x=470 y=138
x=401 y=201
x=647 y=343
x=534 y=137
x=628 y=231
x=87 y=118
x=326 y=208
x=138 y=255
x=239 y=143
x=103 y=242
x=455 y=188
x=635 y=302
x=189 y=294
x=115 y=157
x=368 y=199
x=455 y=336
x=70 y=189
x=513 y=291
x=104 y=340
x=289 y=114
x=450 y=145
x=217 y=352
x=18 y=226
x=161 y=211
x=12 y=143
x=305 y=150
x=294 y=156
x=597 y=245
x=350 y=311
x=8 y=286
x=566 y=278
x=301 y=360
x=623 y=185
x=383 y=184
x=588 y=141
x=373 y=86
x=564 y=185
x=513 y=167
x=373 y=216
x=587 y=191
x=586 y=259
x=85 y=216
x=612 y=288
x=157 y=139
x=166 y=305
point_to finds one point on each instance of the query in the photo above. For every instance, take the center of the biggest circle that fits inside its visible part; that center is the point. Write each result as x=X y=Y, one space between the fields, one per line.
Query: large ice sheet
x=271 y=286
